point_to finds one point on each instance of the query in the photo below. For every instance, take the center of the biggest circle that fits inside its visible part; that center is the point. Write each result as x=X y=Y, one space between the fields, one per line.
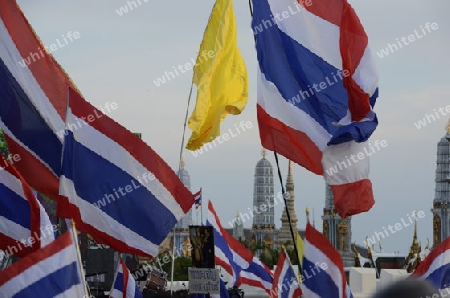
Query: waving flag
x=436 y=266
x=257 y=274
x=53 y=271
x=322 y=271
x=24 y=225
x=235 y=258
x=285 y=282
x=124 y=286
x=316 y=88
x=33 y=99
x=223 y=291
x=220 y=75
x=115 y=186
x=198 y=199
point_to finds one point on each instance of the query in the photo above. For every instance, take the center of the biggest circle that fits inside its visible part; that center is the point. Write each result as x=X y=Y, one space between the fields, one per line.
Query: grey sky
x=117 y=59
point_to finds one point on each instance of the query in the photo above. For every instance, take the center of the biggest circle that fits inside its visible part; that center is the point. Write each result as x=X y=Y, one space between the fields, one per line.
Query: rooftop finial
x=263 y=153
x=290 y=167
x=448 y=126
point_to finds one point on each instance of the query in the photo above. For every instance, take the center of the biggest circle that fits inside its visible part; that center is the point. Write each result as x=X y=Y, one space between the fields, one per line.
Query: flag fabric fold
x=124 y=285
x=220 y=75
x=285 y=282
x=24 y=225
x=436 y=266
x=317 y=85
x=33 y=89
x=54 y=271
x=322 y=271
x=115 y=186
x=236 y=259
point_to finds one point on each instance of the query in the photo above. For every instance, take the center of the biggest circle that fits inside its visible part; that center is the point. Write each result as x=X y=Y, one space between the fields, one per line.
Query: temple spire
x=448 y=126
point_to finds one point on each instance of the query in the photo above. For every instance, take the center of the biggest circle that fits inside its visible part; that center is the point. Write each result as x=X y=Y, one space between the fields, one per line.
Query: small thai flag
x=198 y=199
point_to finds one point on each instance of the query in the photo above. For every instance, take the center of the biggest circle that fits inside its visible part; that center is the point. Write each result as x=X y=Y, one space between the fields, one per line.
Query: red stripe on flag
x=353 y=198
x=67 y=210
x=48 y=73
x=125 y=278
x=321 y=243
x=135 y=146
x=353 y=42
x=19 y=267
x=293 y=144
x=28 y=165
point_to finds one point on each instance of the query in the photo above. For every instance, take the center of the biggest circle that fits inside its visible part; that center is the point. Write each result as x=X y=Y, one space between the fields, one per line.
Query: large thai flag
x=53 y=271
x=33 y=99
x=24 y=225
x=322 y=271
x=115 y=186
x=124 y=285
x=436 y=266
x=285 y=282
x=316 y=88
x=235 y=258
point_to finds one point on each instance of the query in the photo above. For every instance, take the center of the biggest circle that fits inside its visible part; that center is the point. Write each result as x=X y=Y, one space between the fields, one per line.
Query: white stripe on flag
x=276 y=106
x=11 y=57
x=99 y=143
x=324 y=34
x=96 y=218
x=40 y=270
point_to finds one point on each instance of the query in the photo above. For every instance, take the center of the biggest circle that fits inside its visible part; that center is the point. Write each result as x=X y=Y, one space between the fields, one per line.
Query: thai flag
x=316 y=88
x=124 y=286
x=198 y=199
x=235 y=258
x=54 y=271
x=230 y=254
x=322 y=271
x=285 y=282
x=33 y=100
x=257 y=274
x=115 y=186
x=223 y=291
x=24 y=225
x=436 y=266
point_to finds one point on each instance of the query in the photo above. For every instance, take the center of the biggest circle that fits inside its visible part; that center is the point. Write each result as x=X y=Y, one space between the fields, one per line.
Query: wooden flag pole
x=73 y=231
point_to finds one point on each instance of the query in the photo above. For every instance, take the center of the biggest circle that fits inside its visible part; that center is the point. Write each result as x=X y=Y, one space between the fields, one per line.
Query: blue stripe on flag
x=440 y=277
x=289 y=281
x=53 y=284
x=294 y=73
x=319 y=283
x=25 y=122
x=14 y=207
x=132 y=209
x=118 y=284
x=297 y=69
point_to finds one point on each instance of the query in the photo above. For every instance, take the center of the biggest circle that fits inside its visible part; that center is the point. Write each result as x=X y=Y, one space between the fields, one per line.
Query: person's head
x=409 y=288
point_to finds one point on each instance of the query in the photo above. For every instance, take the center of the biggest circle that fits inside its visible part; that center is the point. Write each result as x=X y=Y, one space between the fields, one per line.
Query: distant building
x=263 y=226
x=285 y=234
x=441 y=202
x=337 y=230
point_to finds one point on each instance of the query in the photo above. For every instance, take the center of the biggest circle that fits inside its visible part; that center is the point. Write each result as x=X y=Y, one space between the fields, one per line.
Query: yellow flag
x=220 y=75
x=300 y=248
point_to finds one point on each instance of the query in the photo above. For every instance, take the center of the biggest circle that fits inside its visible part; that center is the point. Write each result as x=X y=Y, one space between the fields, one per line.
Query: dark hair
x=408 y=288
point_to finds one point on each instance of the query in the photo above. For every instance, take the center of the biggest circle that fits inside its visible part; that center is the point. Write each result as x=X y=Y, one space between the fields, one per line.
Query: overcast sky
x=118 y=58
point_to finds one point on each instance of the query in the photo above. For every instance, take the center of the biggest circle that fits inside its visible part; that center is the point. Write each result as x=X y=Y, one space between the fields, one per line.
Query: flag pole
x=286 y=208
x=179 y=169
x=73 y=231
